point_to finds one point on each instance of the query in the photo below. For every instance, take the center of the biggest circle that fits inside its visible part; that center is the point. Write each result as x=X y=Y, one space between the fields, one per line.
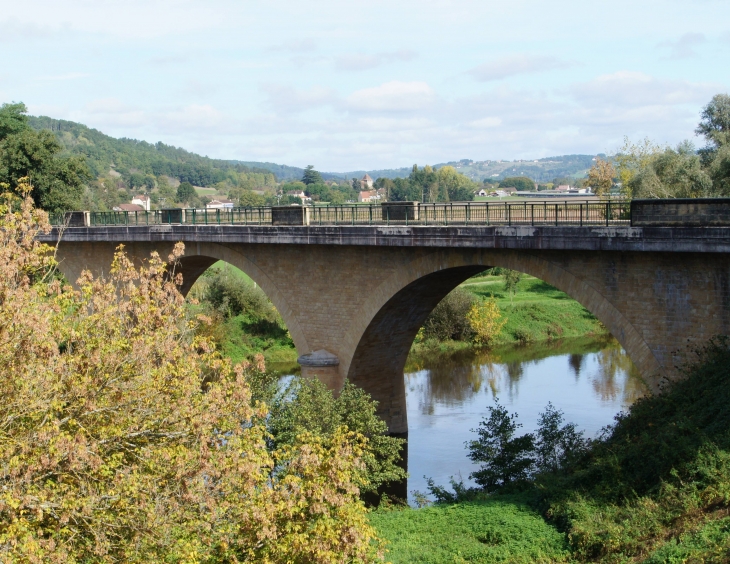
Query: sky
x=352 y=85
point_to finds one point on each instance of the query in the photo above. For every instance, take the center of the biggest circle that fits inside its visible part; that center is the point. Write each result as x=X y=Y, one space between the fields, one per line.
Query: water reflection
x=447 y=395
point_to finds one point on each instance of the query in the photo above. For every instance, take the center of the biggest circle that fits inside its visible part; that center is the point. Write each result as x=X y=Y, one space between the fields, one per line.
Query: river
x=590 y=380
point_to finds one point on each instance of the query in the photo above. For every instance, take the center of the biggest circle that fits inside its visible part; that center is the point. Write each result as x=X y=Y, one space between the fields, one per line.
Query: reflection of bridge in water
x=355 y=295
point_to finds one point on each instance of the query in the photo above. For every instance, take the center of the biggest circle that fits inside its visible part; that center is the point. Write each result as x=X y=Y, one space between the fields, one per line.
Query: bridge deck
x=588 y=238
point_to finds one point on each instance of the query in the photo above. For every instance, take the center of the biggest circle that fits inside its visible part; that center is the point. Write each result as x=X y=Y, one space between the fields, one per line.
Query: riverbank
x=651 y=488
x=536 y=313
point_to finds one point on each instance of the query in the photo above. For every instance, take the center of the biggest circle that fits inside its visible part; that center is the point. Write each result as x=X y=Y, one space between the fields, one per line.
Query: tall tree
x=311 y=176
x=12 y=119
x=600 y=177
x=715 y=122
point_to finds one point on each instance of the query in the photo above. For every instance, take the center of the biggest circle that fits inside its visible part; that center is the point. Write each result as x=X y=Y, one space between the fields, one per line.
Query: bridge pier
x=353 y=308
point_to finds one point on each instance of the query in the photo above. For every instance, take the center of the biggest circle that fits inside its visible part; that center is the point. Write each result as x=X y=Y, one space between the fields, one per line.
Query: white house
x=482 y=192
x=128 y=208
x=143 y=201
x=219 y=204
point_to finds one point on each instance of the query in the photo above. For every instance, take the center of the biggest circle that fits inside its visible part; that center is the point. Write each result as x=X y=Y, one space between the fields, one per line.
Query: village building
x=219 y=204
x=128 y=208
x=366 y=183
x=143 y=201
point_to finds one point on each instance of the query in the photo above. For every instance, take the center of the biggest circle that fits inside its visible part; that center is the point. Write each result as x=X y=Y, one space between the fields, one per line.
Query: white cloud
x=393 y=96
x=631 y=89
x=486 y=123
x=518 y=63
x=289 y=99
x=684 y=47
x=363 y=61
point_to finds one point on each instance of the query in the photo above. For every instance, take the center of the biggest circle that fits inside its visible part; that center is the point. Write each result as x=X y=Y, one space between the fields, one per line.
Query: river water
x=590 y=380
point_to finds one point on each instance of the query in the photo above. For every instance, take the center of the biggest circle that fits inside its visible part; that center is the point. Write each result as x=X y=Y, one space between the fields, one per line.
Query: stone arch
x=200 y=256
x=378 y=341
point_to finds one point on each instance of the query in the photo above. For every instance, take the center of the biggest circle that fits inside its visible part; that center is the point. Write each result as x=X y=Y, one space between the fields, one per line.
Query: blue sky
x=367 y=85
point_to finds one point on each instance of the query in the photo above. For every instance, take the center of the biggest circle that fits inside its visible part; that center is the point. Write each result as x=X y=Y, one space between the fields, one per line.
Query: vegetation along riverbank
x=654 y=487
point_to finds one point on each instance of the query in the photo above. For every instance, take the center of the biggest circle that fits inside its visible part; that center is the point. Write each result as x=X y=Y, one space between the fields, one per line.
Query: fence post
x=509 y=213
x=608 y=211
x=581 y=214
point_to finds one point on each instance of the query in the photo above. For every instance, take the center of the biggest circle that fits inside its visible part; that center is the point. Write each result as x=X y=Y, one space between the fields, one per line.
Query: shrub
x=485 y=320
x=125 y=438
x=449 y=320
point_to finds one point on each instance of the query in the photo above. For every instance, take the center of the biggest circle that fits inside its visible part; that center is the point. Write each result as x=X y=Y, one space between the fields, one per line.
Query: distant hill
x=128 y=156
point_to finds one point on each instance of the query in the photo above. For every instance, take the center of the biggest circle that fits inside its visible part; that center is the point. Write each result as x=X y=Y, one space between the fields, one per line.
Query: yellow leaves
x=125 y=438
x=485 y=318
x=600 y=177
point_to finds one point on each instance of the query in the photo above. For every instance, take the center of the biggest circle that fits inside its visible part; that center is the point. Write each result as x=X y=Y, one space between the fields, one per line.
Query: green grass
x=502 y=529
x=537 y=311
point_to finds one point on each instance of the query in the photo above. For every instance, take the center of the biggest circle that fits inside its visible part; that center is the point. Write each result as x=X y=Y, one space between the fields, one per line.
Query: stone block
x=76 y=219
x=681 y=212
x=290 y=215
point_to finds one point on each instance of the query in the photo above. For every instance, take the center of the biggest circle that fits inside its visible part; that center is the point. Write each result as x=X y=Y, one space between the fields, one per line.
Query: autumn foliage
x=126 y=438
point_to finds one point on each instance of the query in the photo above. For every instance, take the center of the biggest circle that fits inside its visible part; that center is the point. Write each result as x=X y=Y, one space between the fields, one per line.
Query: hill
x=129 y=156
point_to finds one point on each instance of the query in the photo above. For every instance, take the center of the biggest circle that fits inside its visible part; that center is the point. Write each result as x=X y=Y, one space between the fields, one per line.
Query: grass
x=502 y=529
x=654 y=488
x=537 y=311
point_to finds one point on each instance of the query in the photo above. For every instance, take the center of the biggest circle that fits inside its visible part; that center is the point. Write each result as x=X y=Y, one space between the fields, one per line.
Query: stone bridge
x=361 y=293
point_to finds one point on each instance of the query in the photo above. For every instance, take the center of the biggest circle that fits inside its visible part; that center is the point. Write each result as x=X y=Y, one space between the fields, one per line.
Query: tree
x=557 y=444
x=521 y=183
x=311 y=176
x=457 y=187
x=486 y=321
x=600 y=177
x=715 y=123
x=57 y=181
x=506 y=459
x=12 y=119
x=672 y=173
x=126 y=438
x=186 y=192
x=511 y=279
x=308 y=406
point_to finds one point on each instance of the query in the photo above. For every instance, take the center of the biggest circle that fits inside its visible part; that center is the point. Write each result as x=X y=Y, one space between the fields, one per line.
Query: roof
x=142 y=198
x=128 y=207
x=220 y=201
x=366 y=177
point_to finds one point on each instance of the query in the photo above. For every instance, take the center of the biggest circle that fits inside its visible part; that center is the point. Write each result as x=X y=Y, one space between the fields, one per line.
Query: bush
x=449 y=319
x=233 y=295
x=126 y=438
x=485 y=320
x=306 y=405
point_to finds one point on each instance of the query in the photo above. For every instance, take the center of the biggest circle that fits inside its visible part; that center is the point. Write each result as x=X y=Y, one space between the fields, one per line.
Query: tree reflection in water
x=456 y=377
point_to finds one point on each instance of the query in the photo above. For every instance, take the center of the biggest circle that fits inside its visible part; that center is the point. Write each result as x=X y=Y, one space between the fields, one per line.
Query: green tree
x=12 y=119
x=506 y=460
x=311 y=176
x=57 y=181
x=715 y=122
x=186 y=192
x=511 y=279
x=308 y=406
x=672 y=173
x=521 y=183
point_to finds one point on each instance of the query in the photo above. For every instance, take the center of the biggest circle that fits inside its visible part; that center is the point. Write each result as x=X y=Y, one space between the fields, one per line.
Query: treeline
x=429 y=185
x=648 y=170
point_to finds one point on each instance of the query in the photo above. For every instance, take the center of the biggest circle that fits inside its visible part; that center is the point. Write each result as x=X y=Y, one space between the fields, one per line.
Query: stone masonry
x=357 y=295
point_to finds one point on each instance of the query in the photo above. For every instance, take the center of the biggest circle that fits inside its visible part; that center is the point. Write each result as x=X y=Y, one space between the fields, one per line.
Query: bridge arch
x=377 y=344
x=200 y=256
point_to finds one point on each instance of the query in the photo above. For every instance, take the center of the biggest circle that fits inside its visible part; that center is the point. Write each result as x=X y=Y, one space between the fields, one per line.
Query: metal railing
x=605 y=212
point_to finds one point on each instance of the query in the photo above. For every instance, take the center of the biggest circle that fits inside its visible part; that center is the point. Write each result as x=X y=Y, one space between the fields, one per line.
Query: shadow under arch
x=379 y=344
x=200 y=256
